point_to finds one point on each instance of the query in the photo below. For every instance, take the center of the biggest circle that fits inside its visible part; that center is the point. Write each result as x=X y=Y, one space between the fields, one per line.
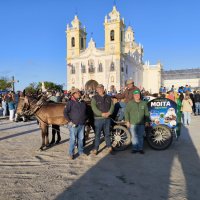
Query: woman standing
x=187 y=109
x=11 y=107
x=4 y=105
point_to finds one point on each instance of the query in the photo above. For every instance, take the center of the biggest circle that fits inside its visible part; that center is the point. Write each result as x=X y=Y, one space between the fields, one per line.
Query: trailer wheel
x=160 y=137
x=121 y=138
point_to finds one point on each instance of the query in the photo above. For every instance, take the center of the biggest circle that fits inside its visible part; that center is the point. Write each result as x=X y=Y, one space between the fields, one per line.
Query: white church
x=120 y=59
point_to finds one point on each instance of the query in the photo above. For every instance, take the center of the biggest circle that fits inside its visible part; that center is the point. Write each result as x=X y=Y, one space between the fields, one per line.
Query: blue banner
x=163 y=111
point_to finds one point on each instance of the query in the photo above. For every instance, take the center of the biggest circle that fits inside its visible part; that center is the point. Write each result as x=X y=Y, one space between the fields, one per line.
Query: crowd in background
x=188 y=101
x=181 y=95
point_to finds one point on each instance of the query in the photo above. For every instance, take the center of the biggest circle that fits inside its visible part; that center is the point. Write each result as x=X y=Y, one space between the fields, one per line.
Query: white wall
x=152 y=78
x=181 y=82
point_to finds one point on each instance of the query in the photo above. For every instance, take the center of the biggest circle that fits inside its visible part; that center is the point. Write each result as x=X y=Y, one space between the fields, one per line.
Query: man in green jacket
x=102 y=107
x=137 y=117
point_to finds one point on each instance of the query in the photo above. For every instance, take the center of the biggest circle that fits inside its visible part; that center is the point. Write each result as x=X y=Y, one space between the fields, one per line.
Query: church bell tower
x=114 y=33
x=76 y=38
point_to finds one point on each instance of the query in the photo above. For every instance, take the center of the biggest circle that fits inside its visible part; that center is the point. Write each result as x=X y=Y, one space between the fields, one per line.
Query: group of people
x=8 y=104
x=135 y=111
x=188 y=102
x=181 y=89
x=129 y=106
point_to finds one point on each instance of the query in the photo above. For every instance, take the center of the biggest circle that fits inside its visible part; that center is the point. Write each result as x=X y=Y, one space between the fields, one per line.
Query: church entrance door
x=91 y=85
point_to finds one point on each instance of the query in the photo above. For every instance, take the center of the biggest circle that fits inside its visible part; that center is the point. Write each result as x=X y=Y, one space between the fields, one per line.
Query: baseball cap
x=136 y=92
x=129 y=81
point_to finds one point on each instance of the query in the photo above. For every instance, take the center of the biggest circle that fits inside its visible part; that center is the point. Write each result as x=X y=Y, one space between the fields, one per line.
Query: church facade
x=119 y=60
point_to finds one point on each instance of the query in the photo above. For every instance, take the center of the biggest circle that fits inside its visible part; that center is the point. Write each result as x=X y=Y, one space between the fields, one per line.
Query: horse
x=47 y=113
x=19 y=113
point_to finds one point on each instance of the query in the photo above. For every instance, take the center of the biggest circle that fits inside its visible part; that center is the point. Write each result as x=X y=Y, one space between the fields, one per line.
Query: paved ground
x=26 y=173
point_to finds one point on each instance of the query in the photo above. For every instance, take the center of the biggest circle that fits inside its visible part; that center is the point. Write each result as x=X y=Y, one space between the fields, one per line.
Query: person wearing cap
x=75 y=113
x=102 y=107
x=127 y=95
x=137 y=117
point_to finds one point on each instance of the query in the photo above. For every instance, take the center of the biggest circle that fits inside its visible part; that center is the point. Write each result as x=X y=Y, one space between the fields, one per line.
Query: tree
x=32 y=88
x=50 y=86
x=5 y=83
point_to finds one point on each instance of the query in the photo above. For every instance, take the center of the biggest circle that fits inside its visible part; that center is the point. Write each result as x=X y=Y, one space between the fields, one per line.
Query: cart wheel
x=121 y=138
x=160 y=137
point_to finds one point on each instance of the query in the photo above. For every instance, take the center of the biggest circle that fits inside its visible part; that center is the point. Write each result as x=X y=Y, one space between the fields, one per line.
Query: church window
x=82 y=43
x=122 y=69
x=100 y=67
x=73 y=42
x=73 y=71
x=121 y=36
x=112 y=35
x=112 y=66
x=83 y=70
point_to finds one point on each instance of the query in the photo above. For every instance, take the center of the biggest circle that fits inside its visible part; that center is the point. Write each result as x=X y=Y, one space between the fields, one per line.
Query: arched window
x=112 y=35
x=100 y=69
x=112 y=66
x=73 y=42
x=82 y=43
x=91 y=68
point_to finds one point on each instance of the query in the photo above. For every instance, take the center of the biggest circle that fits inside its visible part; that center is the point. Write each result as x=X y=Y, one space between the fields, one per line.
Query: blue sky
x=33 y=40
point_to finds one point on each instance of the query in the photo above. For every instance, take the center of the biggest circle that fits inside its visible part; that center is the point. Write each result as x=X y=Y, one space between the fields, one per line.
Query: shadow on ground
x=142 y=177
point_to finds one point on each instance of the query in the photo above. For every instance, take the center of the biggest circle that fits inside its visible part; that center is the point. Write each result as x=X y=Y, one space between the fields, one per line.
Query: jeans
x=186 y=118
x=137 y=133
x=121 y=111
x=76 y=132
x=4 y=106
x=102 y=124
x=12 y=114
x=197 y=107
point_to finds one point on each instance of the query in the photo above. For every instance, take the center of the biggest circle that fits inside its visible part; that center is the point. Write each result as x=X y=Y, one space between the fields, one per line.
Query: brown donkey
x=46 y=113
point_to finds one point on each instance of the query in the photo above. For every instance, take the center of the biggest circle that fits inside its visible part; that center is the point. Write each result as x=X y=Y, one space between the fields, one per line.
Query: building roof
x=181 y=74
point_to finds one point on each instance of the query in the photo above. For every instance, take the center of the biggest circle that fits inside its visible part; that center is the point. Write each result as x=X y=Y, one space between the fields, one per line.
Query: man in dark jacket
x=102 y=107
x=75 y=113
x=127 y=95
